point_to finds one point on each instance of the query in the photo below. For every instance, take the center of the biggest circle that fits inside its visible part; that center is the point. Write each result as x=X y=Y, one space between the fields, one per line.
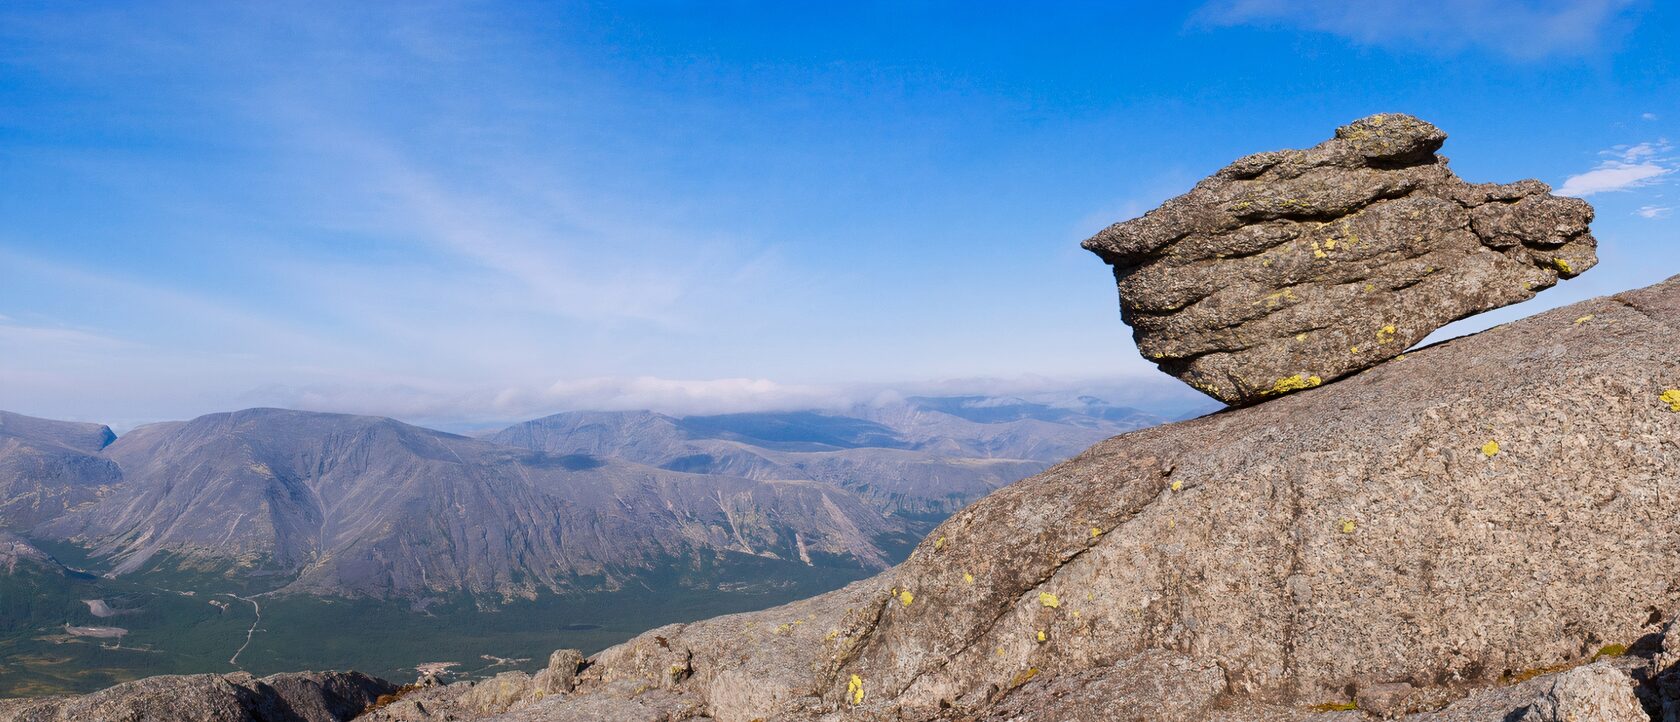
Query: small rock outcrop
x=238 y=697
x=1289 y=269
x=485 y=698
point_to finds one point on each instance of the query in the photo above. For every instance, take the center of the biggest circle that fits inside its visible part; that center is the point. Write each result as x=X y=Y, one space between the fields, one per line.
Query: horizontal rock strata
x=1289 y=269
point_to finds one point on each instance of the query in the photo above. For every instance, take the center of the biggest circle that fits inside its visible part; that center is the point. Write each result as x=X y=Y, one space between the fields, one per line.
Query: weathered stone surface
x=485 y=698
x=301 y=697
x=1358 y=534
x=1289 y=269
x=1598 y=692
x=1156 y=686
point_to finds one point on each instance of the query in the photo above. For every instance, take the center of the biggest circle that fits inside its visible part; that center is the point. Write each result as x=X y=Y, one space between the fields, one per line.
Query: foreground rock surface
x=1289 y=269
x=1486 y=507
x=301 y=697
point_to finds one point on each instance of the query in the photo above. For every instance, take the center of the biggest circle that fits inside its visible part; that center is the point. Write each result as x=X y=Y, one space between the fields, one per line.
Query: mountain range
x=361 y=506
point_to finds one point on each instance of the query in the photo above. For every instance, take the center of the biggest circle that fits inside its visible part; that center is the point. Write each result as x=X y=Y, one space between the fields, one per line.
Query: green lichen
x=1610 y=650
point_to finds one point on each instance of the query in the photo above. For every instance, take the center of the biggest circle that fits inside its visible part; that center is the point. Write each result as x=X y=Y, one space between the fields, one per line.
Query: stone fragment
x=1289 y=269
x=1596 y=692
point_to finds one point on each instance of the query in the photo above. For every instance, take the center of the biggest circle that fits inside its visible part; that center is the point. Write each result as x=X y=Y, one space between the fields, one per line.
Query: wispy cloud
x=1522 y=29
x=1625 y=168
x=1647 y=116
x=484 y=406
x=1654 y=212
x=38 y=337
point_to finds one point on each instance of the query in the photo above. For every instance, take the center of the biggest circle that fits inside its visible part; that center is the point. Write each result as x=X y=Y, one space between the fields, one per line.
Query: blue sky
x=464 y=212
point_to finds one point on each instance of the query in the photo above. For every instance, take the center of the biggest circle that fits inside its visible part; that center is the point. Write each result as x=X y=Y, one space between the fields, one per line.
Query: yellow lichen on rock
x=906 y=597
x=854 y=690
x=1024 y=677
x=1176 y=485
x=1672 y=398
x=1042 y=637
x=1562 y=264
x=1049 y=600
x=1295 y=383
x=1386 y=334
x=1490 y=449
x=1349 y=525
x=1095 y=532
x=968 y=578
x=1583 y=319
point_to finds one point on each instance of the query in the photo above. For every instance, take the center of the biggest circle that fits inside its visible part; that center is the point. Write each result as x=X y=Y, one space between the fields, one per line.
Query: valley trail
x=256 y=609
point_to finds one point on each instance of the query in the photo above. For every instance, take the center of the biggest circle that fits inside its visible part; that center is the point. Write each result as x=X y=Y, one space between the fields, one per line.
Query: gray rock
x=486 y=698
x=1365 y=530
x=560 y=674
x=1597 y=692
x=1293 y=268
x=301 y=697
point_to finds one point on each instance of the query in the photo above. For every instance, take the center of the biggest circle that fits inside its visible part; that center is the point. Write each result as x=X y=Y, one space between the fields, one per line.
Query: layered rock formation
x=1482 y=511
x=1289 y=269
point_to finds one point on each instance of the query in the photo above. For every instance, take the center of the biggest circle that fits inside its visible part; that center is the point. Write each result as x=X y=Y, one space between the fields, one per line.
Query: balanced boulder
x=1289 y=269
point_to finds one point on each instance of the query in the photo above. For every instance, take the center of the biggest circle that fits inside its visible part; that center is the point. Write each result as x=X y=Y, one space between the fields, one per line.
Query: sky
x=466 y=212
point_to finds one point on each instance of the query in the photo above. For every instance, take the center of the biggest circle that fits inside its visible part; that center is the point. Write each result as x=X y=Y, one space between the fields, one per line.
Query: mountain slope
x=1484 y=509
x=370 y=506
x=48 y=467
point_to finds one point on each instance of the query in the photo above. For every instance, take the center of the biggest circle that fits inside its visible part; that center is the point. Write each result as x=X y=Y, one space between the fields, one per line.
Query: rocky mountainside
x=1487 y=510
x=49 y=467
x=353 y=505
x=18 y=555
x=363 y=506
x=306 y=697
x=1418 y=539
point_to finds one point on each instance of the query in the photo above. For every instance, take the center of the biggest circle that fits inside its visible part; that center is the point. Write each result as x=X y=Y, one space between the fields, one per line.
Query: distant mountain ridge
x=50 y=467
x=336 y=504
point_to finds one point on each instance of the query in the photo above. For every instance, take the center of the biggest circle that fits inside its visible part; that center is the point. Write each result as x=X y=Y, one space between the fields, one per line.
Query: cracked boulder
x=1289 y=269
